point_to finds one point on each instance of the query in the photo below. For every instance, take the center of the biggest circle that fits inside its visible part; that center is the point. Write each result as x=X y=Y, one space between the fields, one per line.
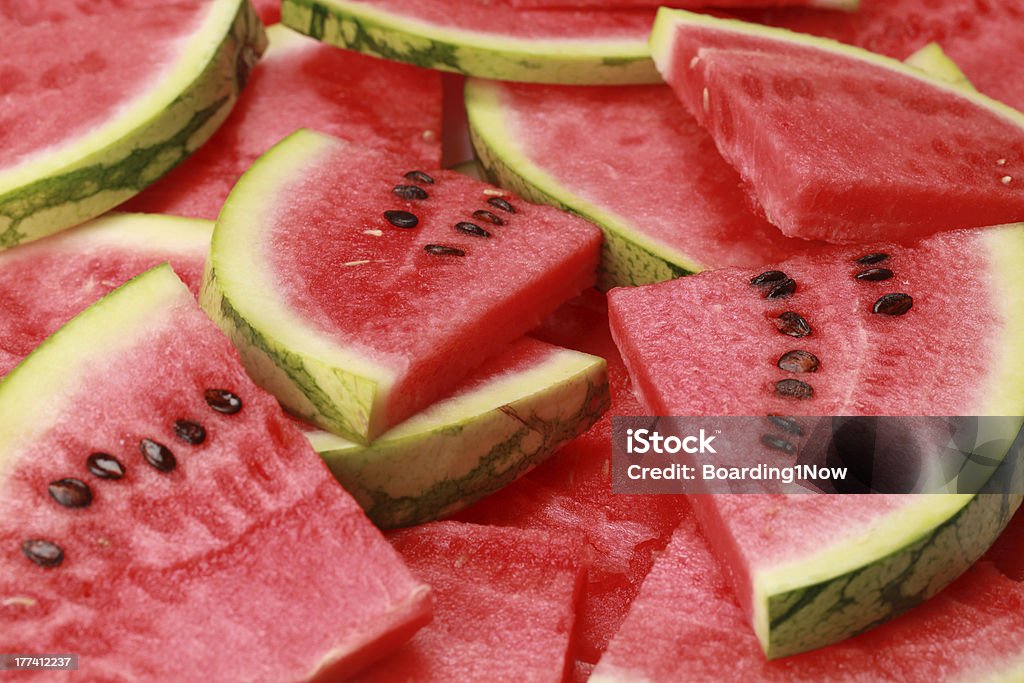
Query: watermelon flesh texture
x=982 y=37
x=687 y=625
x=251 y=505
x=269 y=10
x=857 y=174
x=300 y=83
x=683 y=4
x=504 y=605
x=46 y=283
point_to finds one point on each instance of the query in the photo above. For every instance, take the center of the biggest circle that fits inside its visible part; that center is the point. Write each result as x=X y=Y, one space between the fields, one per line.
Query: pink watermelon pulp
x=417 y=279
x=45 y=284
x=504 y=605
x=686 y=625
x=129 y=542
x=301 y=83
x=757 y=90
x=682 y=4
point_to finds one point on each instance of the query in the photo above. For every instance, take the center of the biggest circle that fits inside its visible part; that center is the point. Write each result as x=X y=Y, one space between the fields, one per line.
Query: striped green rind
x=91 y=178
x=358 y=26
x=467 y=447
x=628 y=258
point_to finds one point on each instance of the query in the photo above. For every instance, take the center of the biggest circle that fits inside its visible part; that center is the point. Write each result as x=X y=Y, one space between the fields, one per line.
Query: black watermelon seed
x=768 y=277
x=896 y=303
x=792 y=324
x=472 y=229
x=419 y=177
x=781 y=290
x=787 y=424
x=409 y=192
x=105 y=466
x=874 y=274
x=501 y=204
x=223 y=401
x=794 y=388
x=190 y=432
x=44 y=553
x=401 y=219
x=485 y=215
x=872 y=259
x=799 y=361
x=441 y=250
x=775 y=443
x=71 y=493
x=158 y=455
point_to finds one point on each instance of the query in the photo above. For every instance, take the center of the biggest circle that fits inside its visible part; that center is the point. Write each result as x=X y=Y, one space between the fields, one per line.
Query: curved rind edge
x=89 y=186
x=390 y=36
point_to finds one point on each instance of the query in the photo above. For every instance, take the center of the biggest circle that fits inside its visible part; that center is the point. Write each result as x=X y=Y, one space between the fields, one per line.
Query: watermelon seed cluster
x=74 y=493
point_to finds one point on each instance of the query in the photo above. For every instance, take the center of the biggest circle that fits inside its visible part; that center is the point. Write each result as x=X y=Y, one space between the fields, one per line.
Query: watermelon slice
x=45 y=284
x=488 y=39
x=684 y=4
x=509 y=415
x=393 y=306
x=669 y=223
x=982 y=37
x=303 y=83
x=686 y=625
x=147 y=85
x=127 y=541
x=504 y=605
x=756 y=89
x=789 y=581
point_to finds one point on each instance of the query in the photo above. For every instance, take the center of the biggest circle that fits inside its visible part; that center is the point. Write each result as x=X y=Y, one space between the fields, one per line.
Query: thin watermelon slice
x=390 y=294
x=509 y=415
x=487 y=39
x=982 y=37
x=47 y=283
x=935 y=353
x=670 y=223
x=686 y=625
x=302 y=83
x=504 y=605
x=891 y=153
x=127 y=537
x=151 y=83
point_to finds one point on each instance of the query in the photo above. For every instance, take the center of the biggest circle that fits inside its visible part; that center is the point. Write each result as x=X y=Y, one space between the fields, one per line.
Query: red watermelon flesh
x=246 y=542
x=686 y=625
x=300 y=82
x=504 y=605
x=856 y=173
x=46 y=283
x=269 y=10
x=65 y=81
x=683 y=4
x=981 y=36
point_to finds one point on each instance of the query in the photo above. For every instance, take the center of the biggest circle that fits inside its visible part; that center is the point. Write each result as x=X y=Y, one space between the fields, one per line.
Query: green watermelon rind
x=358 y=26
x=81 y=185
x=628 y=258
x=426 y=469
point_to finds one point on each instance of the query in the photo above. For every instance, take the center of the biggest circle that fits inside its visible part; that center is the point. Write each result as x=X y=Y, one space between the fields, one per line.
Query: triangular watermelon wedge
x=840 y=144
x=158 y=511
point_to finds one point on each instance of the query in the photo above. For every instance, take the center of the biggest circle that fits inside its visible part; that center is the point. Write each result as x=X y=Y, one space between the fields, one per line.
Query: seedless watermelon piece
x=510 y=414
x=222 y=533
x=487 y=39
x=416 y=279
x=838 y=143
x=686 y=625
x=945 y=355
x=152 y=83
x=504 y=605
x=45 y=284
x=302 y=83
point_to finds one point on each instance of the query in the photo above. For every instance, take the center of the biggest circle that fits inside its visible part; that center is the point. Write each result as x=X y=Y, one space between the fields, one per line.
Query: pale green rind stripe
x=465 y=448
x=82 y=183
x=358 y=26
